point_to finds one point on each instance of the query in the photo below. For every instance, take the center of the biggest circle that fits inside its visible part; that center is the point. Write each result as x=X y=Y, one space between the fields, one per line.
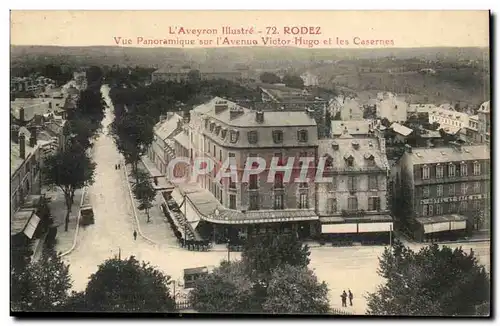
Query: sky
x=337 y=29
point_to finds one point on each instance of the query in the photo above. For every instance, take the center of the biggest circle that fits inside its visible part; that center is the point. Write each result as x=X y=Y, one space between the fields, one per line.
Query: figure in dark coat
x=344 y=299
x=350 y=297
x=135 y=235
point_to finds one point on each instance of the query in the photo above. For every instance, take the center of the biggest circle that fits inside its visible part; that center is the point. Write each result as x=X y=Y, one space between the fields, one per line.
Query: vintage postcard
x=269 y=162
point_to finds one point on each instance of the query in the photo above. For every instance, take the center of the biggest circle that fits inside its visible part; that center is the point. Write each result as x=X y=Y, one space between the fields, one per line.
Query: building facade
x=354 y=203
x=391 y=107
x=443 y=191
x=449 y=120
x=484 y=126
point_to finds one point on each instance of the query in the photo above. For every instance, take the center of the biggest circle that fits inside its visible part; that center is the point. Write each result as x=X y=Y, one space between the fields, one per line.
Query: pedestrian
x=350 y=297
x=344 y=299
x=119 y=166
x=116 y=167
x=135 y=235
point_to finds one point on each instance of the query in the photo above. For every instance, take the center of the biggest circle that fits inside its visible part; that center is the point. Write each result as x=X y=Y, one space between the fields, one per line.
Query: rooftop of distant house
x=15 y=159
x=186 y=70
x=485 y=107
x=400 y=129
x=351 y=127
x=364 y=153
x=166 y=127
x=449 y=154
x=35 y=106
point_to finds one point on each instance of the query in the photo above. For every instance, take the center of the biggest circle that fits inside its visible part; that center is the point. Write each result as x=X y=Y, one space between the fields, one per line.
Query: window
x=439 y=171
x=373 y=203
x=303 y=185
x=439 y=209
x=453 y=208
x=439 y=190
x=234 y=136
x=372 y=182
x=254 y=201
x=217 y=130
x=352 y=203
x=303 y=203
x=463 y=169
x=351 y=183
x=223 y=133
x=302 y=135
x=476 y=204
x=331 y=205
x=232 y=184
x=425 y=172
x=212 y=126
x=477 y=168
x=427 y=210
x=278 y=181
x=451 y=190
x=220 y=155
x=332 y=186
x=206 y=123
x=278 y=136
x=214 y=150
x=425 y=191
x=463 y=206
x=464 y=188
x=451 y=170
x=253 y=184
x=252 y=137
x=278 y=201
x=232 y=201
x=477 y=187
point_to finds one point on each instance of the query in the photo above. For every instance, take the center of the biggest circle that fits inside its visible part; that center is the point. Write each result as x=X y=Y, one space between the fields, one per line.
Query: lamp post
x=228 y=251
x=390 y=235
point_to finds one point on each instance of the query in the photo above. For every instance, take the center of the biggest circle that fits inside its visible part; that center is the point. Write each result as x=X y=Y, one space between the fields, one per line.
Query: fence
x=336 y=311
x=183 y=305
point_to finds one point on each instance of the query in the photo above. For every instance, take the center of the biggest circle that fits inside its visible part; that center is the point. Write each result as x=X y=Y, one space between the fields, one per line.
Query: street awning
x=443 y=223
x=375 y=227
x=339 y=228
x=32 y=225
x=19 y=220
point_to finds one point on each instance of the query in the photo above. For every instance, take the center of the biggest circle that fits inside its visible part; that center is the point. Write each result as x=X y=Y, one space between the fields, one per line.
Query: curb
x=77 y=224
x=133 y=205
x=465 y=241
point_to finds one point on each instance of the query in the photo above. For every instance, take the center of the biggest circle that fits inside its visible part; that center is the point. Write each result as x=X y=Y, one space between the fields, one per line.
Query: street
x=342 y=268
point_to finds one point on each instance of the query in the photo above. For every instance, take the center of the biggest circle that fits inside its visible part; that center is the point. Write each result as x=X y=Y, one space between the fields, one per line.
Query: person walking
x=344 y=299
x=116 y=167
x=135 y=235
x=350 y=297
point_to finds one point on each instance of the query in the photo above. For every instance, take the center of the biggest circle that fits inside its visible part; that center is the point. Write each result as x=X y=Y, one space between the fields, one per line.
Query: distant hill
x=257 y=57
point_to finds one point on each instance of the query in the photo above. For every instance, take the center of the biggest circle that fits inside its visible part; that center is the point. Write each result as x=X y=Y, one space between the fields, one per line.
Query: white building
x=449 y=120
x=391 y=107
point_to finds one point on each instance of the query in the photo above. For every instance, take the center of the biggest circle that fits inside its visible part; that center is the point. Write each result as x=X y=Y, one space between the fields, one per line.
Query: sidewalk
x=158 y=228
x=58 y=210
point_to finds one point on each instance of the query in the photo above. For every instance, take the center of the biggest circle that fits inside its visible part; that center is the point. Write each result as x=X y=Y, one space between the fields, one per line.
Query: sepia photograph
x=224 y=163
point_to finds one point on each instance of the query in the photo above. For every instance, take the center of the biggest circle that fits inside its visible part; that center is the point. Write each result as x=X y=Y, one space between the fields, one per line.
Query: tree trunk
x=68 y=210
x=134 y=169
x=147 y=214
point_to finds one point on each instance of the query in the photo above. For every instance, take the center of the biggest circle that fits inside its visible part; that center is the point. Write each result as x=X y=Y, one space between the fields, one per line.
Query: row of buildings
x=30 y=84
x=36 y=131
x=357 y=200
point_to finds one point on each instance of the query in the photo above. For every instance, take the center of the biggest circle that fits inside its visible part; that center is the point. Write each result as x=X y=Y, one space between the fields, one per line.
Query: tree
x=295 y=289
x=478 y=218
x=42 y=286
x=227 y=289
x=385 y=122
x=293 y=81
x=263 y=253
x=434 y=126
x=269 y=78
x=81 y=129
x=337 y=116
x=194 y=76
x=144 y=192
x=69 y=169
x=431 y=282
x=128 y=286
x=133 y=134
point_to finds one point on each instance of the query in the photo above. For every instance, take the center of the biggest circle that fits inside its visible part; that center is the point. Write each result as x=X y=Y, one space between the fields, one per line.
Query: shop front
x=441 y=228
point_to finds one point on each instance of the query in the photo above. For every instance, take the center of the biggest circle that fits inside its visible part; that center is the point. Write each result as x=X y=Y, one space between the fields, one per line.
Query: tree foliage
x=128 y=286
x=69 y=169
x=269 y=78
x=295 y=289
x=263 y=253
x=293 y=81
x=227 y=289
x=431 y=282
x=256 y=283
x=144 y=192
x=42 y=286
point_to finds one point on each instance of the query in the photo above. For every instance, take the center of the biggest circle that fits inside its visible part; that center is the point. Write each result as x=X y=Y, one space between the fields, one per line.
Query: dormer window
x=223 y=133
x=451 y=170
x=425 y=172
x=234 y=136
x=302 y=135
x=278 y=136
x=206 y=123
x=253 y=137
x=217 y=129
x=328 y=161
x=349 y=160
x=212 y=126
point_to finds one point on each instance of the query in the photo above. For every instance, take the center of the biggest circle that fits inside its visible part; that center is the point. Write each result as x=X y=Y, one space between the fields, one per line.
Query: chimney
x=186 y=116
x=50 y=105
x=355 y=145
x=14 y=134
x=259 y=116
x=179 y=123
x=235 y=112
x=408 y=148
x=220 y=106
x=21 y=114
x=33 y=137
x=22 y=146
